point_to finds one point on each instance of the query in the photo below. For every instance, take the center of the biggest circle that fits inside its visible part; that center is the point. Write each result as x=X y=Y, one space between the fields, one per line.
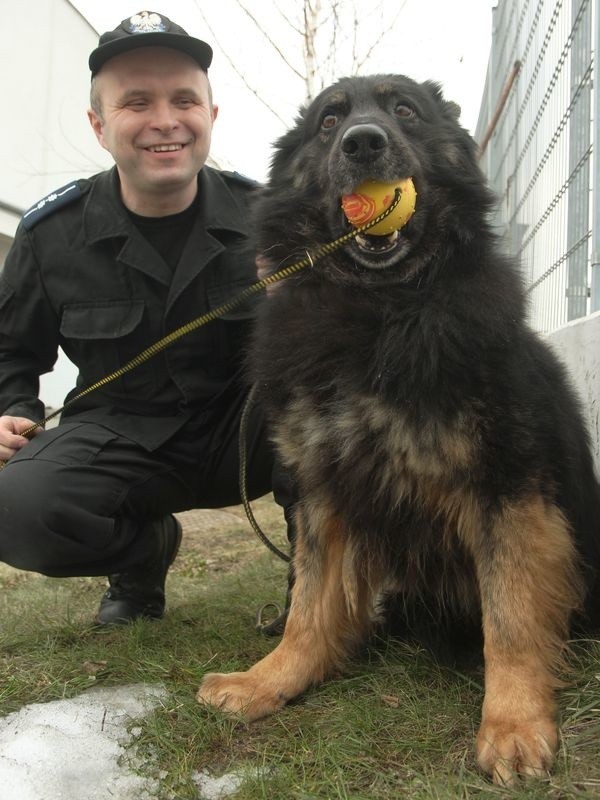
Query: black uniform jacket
x=81 y=276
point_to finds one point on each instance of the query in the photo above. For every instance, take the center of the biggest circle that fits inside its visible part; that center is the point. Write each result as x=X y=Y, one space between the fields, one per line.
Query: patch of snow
x=72 y=749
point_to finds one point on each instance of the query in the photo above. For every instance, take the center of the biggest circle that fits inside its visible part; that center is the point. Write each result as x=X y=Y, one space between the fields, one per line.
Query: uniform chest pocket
x=100 y=337
x=100 y=320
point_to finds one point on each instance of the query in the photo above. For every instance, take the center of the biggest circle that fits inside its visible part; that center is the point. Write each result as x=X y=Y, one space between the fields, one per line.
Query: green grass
x=394 y=725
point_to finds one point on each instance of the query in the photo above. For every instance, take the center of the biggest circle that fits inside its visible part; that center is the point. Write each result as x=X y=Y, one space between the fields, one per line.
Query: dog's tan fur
x=525 y=619
x=438 y=448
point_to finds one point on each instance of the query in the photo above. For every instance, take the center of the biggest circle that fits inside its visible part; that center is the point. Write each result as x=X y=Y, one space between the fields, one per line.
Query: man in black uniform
x=104 y=267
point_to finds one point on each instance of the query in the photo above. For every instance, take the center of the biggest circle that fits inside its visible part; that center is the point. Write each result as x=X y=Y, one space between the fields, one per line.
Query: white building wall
x=578 y=346
x=45 y=137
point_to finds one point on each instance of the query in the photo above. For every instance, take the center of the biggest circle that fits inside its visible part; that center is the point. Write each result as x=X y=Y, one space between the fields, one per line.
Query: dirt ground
x=221 y=540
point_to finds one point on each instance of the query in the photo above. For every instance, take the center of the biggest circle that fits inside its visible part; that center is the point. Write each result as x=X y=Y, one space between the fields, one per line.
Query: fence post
x=595 y=290
x=579 y=141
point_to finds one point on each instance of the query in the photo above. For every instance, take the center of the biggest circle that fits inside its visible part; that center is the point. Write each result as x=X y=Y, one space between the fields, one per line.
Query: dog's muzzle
x=364 y=142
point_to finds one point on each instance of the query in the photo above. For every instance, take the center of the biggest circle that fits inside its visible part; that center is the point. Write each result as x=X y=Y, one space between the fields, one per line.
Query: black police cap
x=148 y=29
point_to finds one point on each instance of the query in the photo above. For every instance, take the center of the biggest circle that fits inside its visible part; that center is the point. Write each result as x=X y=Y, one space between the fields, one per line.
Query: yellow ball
x=371 y=198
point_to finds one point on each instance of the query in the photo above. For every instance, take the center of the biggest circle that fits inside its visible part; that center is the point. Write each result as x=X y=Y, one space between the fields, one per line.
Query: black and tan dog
x=439 y=450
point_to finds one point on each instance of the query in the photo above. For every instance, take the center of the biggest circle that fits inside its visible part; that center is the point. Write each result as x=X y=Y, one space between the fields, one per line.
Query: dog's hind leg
x=529 y=584
x=329 y=612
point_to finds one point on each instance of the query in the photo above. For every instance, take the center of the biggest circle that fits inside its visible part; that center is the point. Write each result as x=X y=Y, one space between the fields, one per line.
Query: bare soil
x=222 y=540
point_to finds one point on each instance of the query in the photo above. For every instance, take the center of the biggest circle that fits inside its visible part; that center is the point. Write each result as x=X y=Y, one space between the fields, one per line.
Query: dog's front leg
x=329 y=612
x=529 y=586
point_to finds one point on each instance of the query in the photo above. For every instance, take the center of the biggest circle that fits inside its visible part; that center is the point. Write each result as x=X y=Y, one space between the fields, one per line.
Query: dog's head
x=385 y=128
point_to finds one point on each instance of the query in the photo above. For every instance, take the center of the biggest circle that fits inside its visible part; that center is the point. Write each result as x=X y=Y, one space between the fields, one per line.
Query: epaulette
x=51 y=203
x=237 y=176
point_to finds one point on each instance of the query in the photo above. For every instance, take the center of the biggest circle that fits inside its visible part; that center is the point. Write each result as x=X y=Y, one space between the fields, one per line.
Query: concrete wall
x=578 y=346
x=45 y=137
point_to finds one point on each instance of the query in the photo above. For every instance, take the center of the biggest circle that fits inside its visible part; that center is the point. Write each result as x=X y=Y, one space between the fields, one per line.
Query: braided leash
x=215 y=313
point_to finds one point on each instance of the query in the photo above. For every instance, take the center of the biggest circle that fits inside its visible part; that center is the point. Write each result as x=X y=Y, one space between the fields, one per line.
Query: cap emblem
x=146 y=22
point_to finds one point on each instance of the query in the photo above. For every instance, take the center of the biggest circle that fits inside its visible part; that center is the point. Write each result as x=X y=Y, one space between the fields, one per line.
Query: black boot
x=141 y=591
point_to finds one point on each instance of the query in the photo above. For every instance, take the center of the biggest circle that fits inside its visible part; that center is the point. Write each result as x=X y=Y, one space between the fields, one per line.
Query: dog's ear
x=448 y=107
x=452 y=109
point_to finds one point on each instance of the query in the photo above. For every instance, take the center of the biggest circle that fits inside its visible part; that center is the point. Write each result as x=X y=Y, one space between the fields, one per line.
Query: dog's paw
x=509 y=752
x=239 y=693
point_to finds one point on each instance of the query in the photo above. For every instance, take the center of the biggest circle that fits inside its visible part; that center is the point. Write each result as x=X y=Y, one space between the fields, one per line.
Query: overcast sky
x=425 y=39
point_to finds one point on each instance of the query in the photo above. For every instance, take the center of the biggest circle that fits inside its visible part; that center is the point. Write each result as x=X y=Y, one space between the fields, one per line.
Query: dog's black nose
x=364 y=141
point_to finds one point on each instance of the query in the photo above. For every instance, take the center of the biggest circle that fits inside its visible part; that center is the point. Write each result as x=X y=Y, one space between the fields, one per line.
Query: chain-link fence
x=537 y=129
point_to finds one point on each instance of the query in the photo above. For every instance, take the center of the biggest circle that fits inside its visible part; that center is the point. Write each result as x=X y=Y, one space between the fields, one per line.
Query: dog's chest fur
x=353 y=409
x=364 y=435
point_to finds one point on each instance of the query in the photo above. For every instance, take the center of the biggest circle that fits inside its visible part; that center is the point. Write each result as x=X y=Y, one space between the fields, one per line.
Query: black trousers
x=77 y=498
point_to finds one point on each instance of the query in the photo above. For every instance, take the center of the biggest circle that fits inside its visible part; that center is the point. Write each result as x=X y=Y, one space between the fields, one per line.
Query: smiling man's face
x=155 y=117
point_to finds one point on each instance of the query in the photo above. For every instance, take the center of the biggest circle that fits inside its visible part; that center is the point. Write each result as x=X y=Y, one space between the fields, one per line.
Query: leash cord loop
x=225 y=308
x=243 y=457
x=215 y=313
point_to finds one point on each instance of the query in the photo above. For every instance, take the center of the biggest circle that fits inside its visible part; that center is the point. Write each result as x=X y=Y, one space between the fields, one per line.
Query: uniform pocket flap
x=108 y=320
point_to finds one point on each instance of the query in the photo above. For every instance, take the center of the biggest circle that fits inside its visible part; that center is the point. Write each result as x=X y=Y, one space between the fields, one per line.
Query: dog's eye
x=329 y=121
x=402 y=110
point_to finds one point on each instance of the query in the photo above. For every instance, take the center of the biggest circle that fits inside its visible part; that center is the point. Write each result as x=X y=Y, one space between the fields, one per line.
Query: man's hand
x=11 y=440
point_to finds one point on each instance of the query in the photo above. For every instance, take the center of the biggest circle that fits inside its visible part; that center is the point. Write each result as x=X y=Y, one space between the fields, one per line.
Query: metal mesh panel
x=539 y=155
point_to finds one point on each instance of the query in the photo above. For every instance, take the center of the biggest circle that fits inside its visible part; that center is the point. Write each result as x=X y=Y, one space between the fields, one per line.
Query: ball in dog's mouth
x=370 y=199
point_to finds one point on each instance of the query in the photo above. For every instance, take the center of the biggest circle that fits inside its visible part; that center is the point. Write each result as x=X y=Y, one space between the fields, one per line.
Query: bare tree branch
x=385 y=30
x=273 y=44
x=330 y=33
x=331 y=55
x=289 y=22
x=311 y=22
x=238 y=72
